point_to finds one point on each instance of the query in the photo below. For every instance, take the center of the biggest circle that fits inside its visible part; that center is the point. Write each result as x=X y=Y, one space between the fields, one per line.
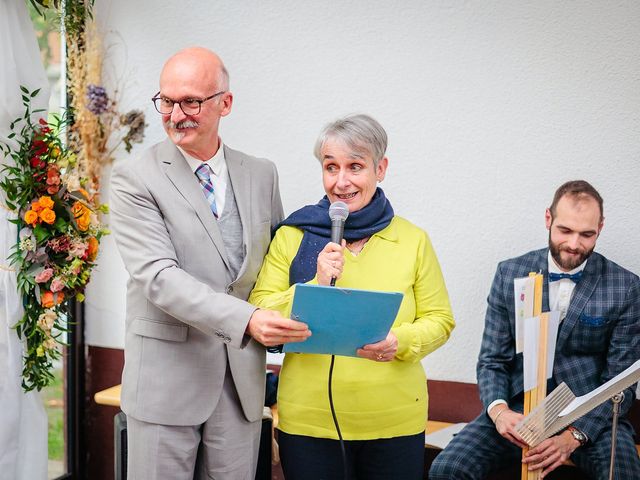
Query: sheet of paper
x=441 y=438
x=530 y=351
x=633 y=372
x=523 y=297
x=531 y=332
x=552 y=337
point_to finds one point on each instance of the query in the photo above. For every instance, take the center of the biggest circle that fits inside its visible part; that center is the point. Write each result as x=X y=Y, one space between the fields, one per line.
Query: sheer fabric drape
x=23 y=421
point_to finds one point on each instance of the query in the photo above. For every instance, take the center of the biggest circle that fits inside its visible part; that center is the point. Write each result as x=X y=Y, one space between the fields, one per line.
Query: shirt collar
x=390 y=232
x=217 y=162
x=553 y=268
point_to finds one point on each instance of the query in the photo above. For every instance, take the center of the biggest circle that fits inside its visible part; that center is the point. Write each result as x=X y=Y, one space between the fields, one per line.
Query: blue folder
x=342 y=320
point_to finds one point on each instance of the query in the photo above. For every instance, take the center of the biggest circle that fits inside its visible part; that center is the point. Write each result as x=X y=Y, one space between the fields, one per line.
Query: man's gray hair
x=359 y=133
x=223 y=79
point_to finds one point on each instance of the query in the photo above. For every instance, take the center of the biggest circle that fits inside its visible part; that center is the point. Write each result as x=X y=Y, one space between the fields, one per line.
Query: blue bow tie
x=554 y=277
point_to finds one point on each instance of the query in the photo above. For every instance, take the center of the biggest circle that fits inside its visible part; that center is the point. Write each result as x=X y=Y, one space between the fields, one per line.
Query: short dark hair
x=578 y=189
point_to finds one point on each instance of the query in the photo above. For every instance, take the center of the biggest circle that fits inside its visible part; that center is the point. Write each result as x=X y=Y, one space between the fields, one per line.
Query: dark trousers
x=310 y=458
x=479 y=449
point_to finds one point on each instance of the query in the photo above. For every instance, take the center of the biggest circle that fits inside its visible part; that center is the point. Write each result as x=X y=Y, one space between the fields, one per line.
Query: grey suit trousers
x=225 y=447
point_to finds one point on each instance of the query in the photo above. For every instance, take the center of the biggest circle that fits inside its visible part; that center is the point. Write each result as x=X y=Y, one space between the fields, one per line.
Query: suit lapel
x=541 y=265
x=581 y=294
x=240 y=178
x=177 y=170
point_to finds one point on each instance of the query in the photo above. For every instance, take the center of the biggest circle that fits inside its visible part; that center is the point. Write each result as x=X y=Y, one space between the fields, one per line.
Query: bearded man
x=599 y=336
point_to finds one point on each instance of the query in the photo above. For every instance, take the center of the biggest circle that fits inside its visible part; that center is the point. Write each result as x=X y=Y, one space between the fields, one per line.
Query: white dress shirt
x=560 y=293
x=218 y=165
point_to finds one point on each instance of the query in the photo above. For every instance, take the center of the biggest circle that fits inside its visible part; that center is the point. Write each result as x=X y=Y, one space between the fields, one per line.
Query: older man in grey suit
x=192 y=221
x=599 y=336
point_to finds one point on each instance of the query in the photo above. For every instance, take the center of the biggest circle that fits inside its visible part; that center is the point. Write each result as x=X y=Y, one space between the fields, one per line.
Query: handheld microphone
x=338 y=213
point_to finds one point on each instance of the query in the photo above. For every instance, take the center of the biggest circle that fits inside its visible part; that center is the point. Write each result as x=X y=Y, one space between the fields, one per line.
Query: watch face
x=578 y=435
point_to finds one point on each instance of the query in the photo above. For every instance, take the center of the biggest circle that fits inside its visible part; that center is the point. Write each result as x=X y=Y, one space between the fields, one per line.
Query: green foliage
x=58 y=235
x=49 y=14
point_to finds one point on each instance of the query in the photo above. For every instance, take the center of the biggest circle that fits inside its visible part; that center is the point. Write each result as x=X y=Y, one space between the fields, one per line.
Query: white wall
x=489 y=106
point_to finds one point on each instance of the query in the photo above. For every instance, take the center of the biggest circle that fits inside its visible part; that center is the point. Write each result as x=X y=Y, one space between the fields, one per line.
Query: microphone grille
x=338 y=211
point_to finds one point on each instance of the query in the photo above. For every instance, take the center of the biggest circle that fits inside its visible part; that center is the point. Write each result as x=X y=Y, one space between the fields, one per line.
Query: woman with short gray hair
x=380 y=398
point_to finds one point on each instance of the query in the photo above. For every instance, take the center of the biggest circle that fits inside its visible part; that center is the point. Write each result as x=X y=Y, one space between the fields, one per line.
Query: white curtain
x=23 y=420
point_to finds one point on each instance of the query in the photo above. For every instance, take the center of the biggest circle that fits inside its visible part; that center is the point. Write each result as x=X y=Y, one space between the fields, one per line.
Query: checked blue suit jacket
x=599 y=337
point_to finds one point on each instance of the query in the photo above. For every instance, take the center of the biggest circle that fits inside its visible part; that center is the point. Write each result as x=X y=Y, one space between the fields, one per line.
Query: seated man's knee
x=449 y=467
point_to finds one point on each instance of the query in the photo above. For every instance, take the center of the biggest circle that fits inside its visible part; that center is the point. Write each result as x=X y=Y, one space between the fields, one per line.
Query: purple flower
x=97 y=99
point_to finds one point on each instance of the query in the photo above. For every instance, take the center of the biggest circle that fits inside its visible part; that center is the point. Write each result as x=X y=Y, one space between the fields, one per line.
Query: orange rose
x=77 y=209
x=45 y=202
x=35 y=206
x=31 y=217
x=92 y=251
x=48 y=216
x=84 y=221
x=49 y=299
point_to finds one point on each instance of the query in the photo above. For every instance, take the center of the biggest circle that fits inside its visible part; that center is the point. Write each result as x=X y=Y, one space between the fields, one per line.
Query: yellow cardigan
x=372 y=399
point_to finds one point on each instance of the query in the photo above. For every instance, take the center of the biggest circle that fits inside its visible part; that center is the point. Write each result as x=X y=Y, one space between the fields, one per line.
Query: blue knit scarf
x=315 y=222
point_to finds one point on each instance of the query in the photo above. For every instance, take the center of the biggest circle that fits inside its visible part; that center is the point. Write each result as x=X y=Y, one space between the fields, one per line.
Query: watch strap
x=578 y=435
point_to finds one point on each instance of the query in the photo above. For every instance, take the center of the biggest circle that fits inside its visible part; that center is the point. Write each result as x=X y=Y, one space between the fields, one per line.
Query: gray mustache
x=179 y=125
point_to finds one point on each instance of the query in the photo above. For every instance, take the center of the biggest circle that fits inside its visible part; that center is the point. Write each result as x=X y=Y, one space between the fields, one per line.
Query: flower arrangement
x=53 y=189
x=59 y=234
x=99 y=128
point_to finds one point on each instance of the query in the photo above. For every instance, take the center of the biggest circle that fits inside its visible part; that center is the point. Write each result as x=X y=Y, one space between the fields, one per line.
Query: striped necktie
x=203 y=172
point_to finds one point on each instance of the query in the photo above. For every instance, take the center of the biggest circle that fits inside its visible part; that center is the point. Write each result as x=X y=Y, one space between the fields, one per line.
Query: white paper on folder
x=552 y=337
x=531 y=332
x=523 y=298
x=593 y=393
x=530 y=351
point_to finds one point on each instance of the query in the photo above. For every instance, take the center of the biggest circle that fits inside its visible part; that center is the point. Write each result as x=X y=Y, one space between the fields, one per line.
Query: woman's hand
x=330 y=263
x=383 y=351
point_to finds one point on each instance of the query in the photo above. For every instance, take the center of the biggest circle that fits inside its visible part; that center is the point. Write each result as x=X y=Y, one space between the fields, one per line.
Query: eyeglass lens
x=165 y=106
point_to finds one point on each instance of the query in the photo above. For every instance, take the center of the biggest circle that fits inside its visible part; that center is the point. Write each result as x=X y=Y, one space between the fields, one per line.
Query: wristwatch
x=578 y=435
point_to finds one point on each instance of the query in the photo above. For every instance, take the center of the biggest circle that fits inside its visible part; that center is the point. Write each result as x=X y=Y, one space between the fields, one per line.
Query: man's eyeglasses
x=189 y=106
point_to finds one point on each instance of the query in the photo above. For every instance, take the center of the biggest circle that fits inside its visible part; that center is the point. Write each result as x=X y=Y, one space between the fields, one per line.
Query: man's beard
x=571 y=263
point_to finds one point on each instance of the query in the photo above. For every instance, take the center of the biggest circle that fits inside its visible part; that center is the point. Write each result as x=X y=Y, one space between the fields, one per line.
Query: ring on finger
x=380 y=356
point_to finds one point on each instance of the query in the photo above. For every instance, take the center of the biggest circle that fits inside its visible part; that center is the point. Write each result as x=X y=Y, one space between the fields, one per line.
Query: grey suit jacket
x=186 y=315
x=599 y=337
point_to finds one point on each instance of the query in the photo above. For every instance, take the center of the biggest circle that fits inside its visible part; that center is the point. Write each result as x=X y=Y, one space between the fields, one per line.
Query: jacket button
x=229 y=289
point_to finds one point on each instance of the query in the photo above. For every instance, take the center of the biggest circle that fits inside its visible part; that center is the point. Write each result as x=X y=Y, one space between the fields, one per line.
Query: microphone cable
x=338 y=213
x=345 y=470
